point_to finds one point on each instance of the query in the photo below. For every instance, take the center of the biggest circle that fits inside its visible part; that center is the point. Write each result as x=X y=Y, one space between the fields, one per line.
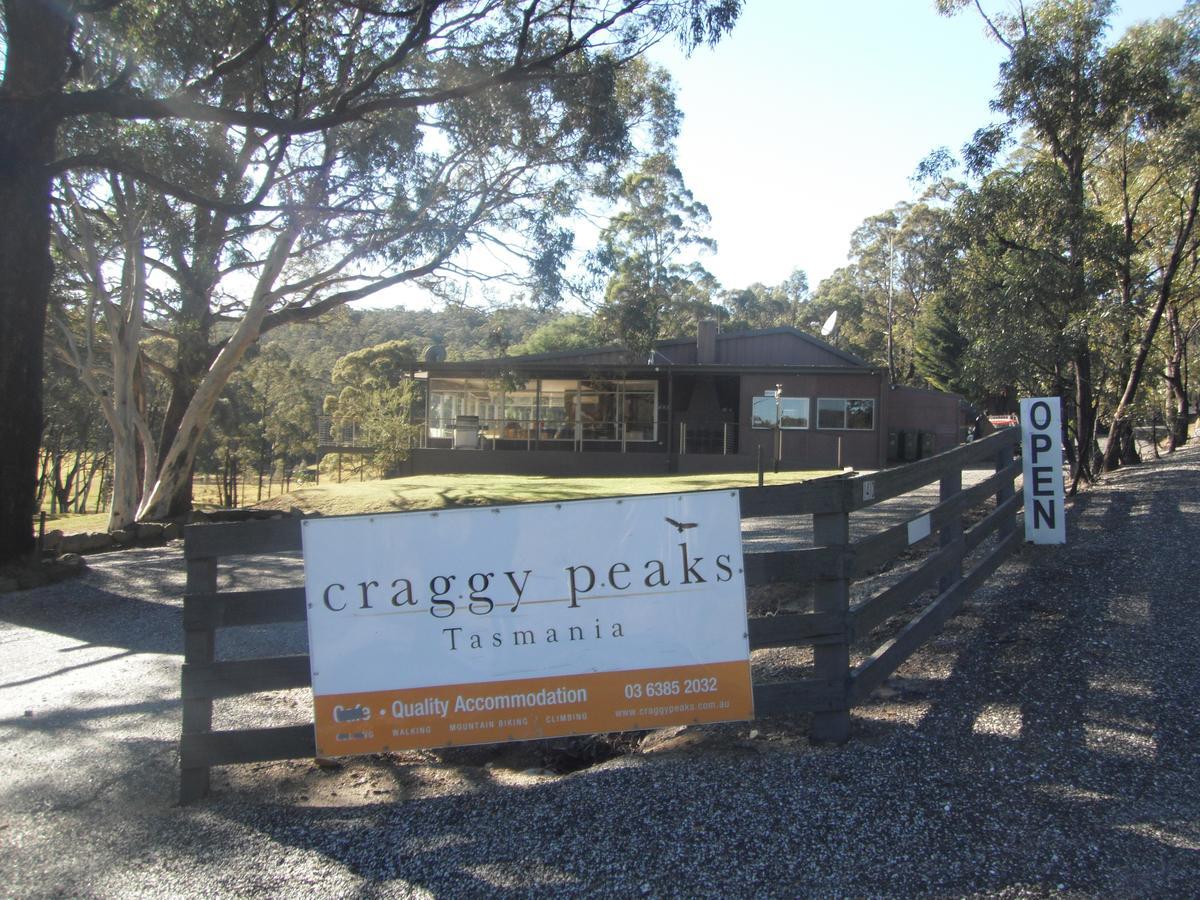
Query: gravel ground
x=1045 y=743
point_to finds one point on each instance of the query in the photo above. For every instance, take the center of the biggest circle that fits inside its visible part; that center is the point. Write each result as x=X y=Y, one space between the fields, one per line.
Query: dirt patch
x=420 y=774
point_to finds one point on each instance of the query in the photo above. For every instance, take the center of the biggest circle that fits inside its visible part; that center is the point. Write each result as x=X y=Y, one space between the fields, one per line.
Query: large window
x=450 y=398
x=593 y=406
x=848 y=414
x=793 y=412
x=604 y=410
x=563 y=410
x=555 y=426
x=639 y=409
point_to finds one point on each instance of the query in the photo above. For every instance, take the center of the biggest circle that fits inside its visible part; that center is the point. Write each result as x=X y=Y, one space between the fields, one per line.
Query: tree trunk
x=122 y=510
x=66 y=501
x=1177 y=399
x=36 y=65
x=1085 y=418
x=192 y=361
x=43 y=478
x=94 y=467
x=1177 y=415
x=1178 y=251
x=101 y=488
x=127 y=474
x=1127 y=444
x=177 y=459
x=131 y=432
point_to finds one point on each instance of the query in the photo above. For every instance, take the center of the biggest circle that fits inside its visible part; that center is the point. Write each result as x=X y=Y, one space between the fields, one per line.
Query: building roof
x=783 y=347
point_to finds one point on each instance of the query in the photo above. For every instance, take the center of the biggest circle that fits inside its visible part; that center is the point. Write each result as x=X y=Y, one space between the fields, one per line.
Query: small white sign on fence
x=1042 y=465
x=919 y=529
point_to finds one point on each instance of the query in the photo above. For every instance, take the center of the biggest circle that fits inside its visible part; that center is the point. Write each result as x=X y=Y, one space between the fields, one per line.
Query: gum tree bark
x=36 y=67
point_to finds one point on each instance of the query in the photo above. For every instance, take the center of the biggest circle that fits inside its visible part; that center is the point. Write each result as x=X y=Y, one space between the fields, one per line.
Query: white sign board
x=509 y=623
x=1042 y=468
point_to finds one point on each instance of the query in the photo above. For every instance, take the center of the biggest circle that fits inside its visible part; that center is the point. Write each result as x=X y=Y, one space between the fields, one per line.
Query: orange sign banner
x=532 y=708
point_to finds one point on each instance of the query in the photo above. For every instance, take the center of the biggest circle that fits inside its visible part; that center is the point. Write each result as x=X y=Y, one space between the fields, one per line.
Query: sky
x=812 y=116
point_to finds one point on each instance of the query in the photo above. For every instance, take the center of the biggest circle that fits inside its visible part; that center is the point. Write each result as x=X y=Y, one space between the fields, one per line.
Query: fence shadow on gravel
x=829 y=567
x=98 y=618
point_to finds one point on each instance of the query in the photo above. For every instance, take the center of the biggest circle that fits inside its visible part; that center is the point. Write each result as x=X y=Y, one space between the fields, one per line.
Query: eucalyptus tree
x=756 y=306
x=98 y=314
x=75 y=444
x=1077 y=99
x=371 y=142
x=375 y=394
x=770 y=306
x=1010 y=284
x=797 y=294
x=648 y=251
x=283 y=423
x=567 y=332
x=876 y=264
x=1148 y=181
x=1056 y=83
x=899 y=259
x=841 y=293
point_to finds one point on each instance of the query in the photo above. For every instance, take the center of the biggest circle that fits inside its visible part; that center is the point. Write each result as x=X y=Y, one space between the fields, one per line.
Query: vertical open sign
x=1042 y=465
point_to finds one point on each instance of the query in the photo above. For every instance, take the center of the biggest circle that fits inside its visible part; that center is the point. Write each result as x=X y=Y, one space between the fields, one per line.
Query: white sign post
x=1042 y=467
x=472 y=626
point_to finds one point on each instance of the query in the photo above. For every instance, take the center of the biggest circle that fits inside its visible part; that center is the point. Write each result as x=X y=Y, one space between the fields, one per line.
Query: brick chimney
x=706 y=341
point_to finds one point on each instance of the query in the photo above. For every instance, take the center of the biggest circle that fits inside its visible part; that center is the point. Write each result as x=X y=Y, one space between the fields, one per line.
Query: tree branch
x=996 y=33
x=243 y=57
x=105 y=101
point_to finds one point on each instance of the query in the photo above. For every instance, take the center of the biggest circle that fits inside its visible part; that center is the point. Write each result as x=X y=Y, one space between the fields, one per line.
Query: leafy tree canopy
x=322 y=150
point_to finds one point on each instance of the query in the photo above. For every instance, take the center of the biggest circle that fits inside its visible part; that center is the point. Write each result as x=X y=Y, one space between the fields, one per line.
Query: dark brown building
x=705 y=405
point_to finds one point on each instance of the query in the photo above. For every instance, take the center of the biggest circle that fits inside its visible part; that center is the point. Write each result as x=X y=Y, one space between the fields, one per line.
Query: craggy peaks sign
x=470 y=626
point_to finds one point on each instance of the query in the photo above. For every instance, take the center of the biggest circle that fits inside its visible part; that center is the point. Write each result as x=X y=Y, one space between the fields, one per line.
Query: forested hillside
x=466 y=333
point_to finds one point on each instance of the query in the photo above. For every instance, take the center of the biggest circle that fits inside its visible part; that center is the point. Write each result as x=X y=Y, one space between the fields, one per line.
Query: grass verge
x=444 y=491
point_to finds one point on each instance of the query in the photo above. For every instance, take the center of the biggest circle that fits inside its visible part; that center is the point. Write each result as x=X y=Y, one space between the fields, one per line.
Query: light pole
x=778 y=427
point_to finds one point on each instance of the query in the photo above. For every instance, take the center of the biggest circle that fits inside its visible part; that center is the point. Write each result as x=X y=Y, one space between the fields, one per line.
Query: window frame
x=844 y=401
x=808 y=419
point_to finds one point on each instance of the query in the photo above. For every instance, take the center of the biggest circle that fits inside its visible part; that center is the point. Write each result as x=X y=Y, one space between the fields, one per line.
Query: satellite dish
x=830 y=324
x=435 y=353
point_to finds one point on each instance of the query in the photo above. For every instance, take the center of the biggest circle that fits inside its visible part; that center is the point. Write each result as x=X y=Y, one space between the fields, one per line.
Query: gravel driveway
x=1048 y=741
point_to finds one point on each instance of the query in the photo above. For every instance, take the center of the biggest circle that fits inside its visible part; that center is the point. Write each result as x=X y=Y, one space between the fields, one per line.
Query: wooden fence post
x=199 y=646
x=952 y=531
x=831 y=661
x=1004 y=458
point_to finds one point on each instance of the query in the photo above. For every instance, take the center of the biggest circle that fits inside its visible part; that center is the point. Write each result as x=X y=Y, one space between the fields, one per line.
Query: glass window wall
x=793 y=412
x=563 y=410
x=846 y=414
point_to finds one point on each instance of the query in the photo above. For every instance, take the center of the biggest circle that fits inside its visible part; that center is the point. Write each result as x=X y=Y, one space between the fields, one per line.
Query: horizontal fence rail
x=829 y=567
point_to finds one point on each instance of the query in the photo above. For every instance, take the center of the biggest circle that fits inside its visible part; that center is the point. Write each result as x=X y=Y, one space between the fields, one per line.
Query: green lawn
x=442 y=491
x=203 y=490
x=75 y=523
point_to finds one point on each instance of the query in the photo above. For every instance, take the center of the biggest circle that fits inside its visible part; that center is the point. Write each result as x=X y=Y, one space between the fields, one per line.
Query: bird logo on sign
x=681 y=526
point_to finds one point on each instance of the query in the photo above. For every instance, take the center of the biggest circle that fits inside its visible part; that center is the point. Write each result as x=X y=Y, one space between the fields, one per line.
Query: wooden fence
x=829 y=566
